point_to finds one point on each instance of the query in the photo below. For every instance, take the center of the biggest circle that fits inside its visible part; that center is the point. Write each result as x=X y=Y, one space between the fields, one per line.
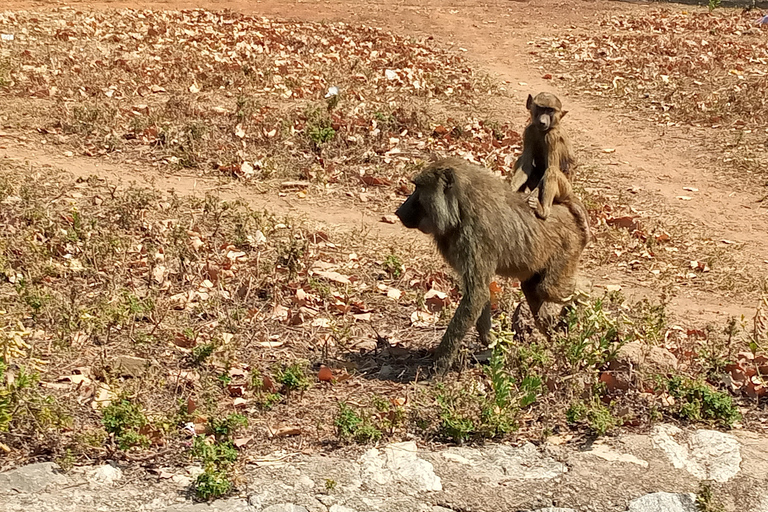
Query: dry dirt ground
x=649 y=169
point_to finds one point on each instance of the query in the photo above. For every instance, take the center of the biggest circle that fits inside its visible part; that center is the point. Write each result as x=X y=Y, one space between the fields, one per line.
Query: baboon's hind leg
x=547 y=291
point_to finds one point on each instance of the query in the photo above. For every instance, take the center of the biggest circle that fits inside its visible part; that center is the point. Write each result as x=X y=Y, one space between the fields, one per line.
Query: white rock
x=399 y=463
x=340 y=508
x=285 y=507
x=497 y=462
x=33 y=478
x=664 y=502
x=181 y=480
x=607 y=453
x=106 y=475
x=706 y=454
x=304 y=482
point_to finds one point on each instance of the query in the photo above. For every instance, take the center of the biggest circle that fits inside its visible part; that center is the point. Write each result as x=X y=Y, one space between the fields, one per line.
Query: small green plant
x=697 y=401
x=202 y=352
x=293 y=377
x=713 y=4
x=706 y=500
x=218 y=454
x=124 y=420
x=393 y=265
x=330 y=484
x=591 y=338
x=597 y=416
x=349 y=425
x=23 y=408
x=321 y=134
x=212 y=483
x=454 y=425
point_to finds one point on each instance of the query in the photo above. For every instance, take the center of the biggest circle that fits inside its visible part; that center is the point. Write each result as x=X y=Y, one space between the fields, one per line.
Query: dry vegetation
x=683 y=68
x=136 y=322
x=244 y=96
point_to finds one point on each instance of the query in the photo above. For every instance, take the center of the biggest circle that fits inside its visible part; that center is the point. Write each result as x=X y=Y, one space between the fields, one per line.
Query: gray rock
x=304 y=482
x=106 y=474
x=664 y=502
x=32 y=479
x=130 y=366
x=285 y=507
x=229 y=505
x=340 y=508
x=640 y=356
x=706 y=454
x=399 y=463
x=495 y=463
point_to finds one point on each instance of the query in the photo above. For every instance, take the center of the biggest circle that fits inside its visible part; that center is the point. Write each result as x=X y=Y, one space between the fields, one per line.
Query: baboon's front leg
x=476 y=297
x=483 y=324
x=519 y=176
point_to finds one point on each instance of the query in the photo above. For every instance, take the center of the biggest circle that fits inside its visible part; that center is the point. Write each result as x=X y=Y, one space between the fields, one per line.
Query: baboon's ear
x=562 y=114
x=529 y=102
x=449 y=178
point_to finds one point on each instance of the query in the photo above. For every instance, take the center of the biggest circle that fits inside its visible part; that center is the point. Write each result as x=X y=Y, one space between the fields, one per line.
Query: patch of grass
x=218 y=455
x=350 y=425
x=24 y=410
x=125 y=419
x=489 y=412
x=697 y=401
x=594 y=414
x=293 y=377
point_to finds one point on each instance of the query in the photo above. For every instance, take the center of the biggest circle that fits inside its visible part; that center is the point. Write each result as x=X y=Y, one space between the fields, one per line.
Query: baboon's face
x=546 y=110
x=413 y=214
x=432 y=208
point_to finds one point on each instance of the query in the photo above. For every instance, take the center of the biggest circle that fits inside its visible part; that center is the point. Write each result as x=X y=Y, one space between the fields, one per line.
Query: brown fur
x=546 y=165
x=483 y=228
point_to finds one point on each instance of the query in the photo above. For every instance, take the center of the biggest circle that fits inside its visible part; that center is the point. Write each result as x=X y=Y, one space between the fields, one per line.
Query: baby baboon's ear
x=562 y=114
x=529 y=102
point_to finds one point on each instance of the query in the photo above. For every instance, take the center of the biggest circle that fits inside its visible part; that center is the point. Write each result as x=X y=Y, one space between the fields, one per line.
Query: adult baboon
x=482 y=228
x=545 y=165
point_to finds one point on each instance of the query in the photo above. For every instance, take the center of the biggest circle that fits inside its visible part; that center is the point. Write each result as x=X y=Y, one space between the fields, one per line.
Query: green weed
x=697 y=401
x=349 y=425
x=124 y=420
x=595 y=414
x=293 y=377
x=218 y=454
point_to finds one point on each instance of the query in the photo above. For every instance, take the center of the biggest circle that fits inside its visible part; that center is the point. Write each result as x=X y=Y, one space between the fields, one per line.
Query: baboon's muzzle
x=408 y=212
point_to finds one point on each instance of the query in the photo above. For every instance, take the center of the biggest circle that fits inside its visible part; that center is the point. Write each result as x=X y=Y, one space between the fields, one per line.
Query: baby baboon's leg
x=483 y=324
x=554 y=186
x=476 y=297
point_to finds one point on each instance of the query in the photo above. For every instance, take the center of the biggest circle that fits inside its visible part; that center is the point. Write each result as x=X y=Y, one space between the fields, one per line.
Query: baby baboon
x=545 y=165
x=483 y=228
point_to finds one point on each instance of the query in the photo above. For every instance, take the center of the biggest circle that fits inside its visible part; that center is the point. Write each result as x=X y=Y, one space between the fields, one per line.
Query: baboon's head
x=546 y=110
x=433 y=207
